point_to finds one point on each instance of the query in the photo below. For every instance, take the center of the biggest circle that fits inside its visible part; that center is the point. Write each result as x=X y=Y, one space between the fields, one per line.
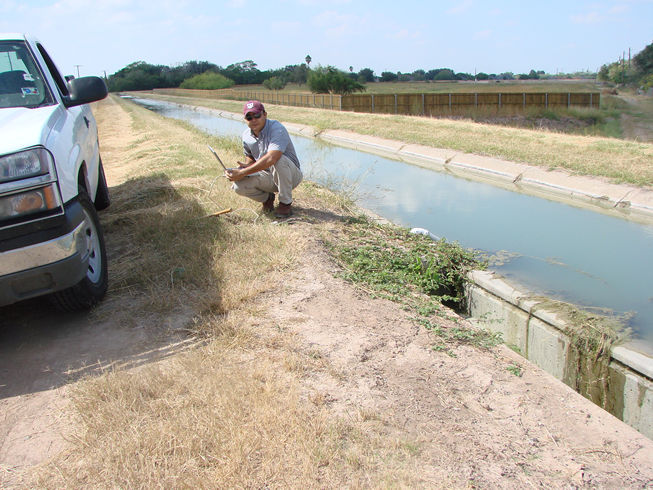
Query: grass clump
x=413 y=270
x=399 y=265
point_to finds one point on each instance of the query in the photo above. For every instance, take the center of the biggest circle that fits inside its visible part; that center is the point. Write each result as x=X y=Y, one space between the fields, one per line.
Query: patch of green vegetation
x=415 y=271
x=396 y=264
x=478 y=337
x=207 y=81
x=516 y=370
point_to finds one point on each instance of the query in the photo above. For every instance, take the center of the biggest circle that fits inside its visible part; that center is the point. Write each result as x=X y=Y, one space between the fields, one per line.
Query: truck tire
x=102 y=198
x=92 y=288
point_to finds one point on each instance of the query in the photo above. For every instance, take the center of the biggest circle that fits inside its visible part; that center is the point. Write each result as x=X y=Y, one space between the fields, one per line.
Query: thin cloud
x=486 y=34
x=461 y=8
x=336 y=24
x=406 y=34
x=588 y=18
x=319 y=3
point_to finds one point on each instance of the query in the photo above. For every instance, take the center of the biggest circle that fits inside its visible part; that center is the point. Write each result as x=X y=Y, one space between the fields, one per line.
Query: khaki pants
x=282 y=177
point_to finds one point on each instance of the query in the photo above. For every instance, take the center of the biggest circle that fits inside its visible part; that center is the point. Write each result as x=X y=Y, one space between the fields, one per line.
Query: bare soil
x=465 y=419
x=637 y=122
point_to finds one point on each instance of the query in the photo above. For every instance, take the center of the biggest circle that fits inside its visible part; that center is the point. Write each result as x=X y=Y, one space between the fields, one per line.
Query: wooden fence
x=414 y=104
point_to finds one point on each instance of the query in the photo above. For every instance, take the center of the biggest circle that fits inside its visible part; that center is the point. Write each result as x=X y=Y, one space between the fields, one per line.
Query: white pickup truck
x=51 y=181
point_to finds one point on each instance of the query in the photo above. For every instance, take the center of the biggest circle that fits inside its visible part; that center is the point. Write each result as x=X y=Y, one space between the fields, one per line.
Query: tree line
x=328 y=79
x=638 y=71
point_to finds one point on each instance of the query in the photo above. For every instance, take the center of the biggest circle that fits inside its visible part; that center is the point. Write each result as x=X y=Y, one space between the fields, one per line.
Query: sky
x=97 y=37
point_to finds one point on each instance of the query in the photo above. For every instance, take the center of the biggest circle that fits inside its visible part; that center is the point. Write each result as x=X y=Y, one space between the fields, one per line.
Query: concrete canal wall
x=536 y=331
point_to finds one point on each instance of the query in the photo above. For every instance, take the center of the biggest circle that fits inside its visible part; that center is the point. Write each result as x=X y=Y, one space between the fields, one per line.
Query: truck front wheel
x=92 y=288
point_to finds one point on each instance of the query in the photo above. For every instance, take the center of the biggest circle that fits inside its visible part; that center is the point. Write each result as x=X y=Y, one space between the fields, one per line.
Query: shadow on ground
x=147 y=232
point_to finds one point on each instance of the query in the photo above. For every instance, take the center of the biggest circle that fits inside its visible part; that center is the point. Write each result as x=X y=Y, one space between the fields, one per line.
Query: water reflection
x=568 y=253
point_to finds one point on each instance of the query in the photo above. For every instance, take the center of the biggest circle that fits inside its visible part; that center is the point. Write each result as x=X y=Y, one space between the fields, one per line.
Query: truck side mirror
x=84 y=90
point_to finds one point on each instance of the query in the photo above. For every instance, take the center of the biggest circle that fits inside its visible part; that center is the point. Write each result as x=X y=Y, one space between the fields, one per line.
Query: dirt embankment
x=461 y=418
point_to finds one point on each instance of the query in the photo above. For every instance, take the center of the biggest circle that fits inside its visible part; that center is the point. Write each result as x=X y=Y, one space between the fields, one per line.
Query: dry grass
x=164 y=244
x=618 y=160
x=228 y=415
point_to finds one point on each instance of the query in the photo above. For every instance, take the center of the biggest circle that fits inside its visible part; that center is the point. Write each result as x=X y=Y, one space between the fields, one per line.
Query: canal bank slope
x=535 y=325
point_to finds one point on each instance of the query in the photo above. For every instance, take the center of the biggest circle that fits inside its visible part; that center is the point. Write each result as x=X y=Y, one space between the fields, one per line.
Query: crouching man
x=271 y=164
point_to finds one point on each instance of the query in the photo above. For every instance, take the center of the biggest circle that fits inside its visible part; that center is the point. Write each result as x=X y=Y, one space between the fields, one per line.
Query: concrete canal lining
x=525 y=322
x=537 y=332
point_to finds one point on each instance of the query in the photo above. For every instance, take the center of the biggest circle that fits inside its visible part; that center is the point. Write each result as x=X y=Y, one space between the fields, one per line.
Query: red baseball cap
x=253 y=106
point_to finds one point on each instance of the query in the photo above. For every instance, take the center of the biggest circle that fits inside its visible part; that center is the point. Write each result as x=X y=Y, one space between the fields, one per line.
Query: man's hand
x=235 y=174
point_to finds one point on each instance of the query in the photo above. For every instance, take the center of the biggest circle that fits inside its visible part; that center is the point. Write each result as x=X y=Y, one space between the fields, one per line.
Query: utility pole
x=77 y=66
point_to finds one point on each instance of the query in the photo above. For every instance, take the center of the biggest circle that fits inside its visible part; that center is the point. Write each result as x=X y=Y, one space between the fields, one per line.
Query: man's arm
x=265 y=162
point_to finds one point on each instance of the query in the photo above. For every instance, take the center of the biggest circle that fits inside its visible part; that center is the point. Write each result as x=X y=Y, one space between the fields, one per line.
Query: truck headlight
x=28 y=187
x=26 y=164
x=28 y=202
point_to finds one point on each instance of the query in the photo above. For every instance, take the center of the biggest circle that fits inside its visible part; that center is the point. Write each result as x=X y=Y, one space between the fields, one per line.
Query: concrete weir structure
x=534 y=326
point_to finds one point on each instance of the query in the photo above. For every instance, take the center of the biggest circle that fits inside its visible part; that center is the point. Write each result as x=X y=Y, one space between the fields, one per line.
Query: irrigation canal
x=553 y=249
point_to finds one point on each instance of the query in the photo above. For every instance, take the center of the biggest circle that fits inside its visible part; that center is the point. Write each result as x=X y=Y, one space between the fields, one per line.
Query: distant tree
x=308 y=60
x=329 y=79
x=508 y=75
x=644 y=60
x=440 y=74
x=197 y=67
x=482 y=76
x=637 y=73
x=418 y=75
x=209 y=80
x=137 y=76
x=300 y=73
x=444 y=74
x=366 y=75
x=274 y=83
x=464 y=76
x=617 y=72
x=388 y=76
x=351 y=69
x=532 y=75
x=243 y=73
x=604 y=73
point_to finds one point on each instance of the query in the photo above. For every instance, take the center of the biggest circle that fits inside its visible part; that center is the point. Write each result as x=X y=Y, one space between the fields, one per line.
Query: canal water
x=553 y=249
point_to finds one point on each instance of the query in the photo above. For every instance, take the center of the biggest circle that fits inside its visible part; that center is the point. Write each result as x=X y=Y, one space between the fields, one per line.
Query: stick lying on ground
x=224 y=211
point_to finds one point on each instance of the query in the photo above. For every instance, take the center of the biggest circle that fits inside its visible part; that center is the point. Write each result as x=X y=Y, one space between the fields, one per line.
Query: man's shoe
x=283 y=210
x=268 y=206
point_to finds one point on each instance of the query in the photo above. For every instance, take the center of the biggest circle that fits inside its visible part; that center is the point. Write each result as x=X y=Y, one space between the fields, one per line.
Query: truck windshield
x=21 y=81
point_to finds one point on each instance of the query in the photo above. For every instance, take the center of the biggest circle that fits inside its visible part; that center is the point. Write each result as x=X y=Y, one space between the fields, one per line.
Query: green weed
x=516 y=370
x=408 y=268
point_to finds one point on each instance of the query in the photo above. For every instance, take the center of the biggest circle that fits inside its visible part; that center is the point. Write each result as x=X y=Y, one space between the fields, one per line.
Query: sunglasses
x=249 y=117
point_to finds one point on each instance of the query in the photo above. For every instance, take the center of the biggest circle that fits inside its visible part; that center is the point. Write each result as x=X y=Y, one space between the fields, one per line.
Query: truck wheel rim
x=94 y=271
